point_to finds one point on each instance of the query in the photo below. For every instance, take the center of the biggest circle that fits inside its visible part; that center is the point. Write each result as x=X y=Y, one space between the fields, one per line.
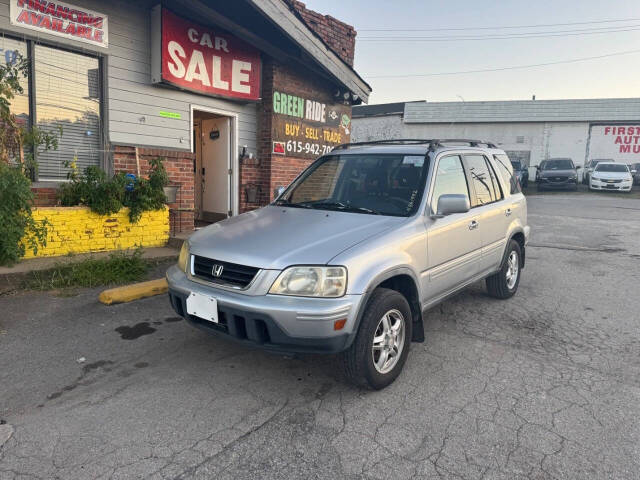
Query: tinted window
x=449 y=179
x=369 y=184
x=494 y=180
x=611 y=167
x=505 y=170
x=559 y=164
x=483 y=191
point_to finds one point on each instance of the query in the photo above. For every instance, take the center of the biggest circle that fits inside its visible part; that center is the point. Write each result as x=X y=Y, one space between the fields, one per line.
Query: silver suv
x=349 y=257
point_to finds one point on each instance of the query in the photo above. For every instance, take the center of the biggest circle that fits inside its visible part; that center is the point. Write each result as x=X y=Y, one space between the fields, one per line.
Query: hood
x=277 y=237
x=558 y=173
x=611 y=175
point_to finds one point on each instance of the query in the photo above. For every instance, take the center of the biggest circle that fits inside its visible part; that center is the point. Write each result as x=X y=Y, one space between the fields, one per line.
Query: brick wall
x=45 y=197
x=271 y=171
x=179 y=166
x=79 y=230
x=340 y=36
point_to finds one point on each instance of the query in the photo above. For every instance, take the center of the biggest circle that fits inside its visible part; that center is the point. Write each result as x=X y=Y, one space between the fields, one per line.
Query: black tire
x=358 y=360
x=497 y=284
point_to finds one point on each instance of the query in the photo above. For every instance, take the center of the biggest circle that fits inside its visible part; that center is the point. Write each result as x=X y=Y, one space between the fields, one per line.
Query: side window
x=494 y=180
x=505 y=170
x=483 y=189
x=450 y=179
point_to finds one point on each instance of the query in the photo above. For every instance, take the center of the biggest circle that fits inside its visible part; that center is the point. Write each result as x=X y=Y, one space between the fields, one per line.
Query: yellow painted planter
x=79 y=230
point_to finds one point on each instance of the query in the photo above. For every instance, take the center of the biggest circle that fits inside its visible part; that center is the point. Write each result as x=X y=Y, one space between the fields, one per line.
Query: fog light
x=339 y=324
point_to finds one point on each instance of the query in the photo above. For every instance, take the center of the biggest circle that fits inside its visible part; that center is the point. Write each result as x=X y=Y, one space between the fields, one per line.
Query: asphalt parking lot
x=545 y=385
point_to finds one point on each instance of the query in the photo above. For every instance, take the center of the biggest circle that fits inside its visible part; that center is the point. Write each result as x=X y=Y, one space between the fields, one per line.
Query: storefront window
x=9 y=51
x=66 y=95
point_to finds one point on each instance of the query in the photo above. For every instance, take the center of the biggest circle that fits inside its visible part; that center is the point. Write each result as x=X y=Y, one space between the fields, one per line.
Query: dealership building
x=529 y=131
x=238 y=96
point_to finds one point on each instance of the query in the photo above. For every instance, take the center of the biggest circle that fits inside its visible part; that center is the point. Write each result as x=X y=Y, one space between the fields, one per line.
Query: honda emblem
x=217 y=270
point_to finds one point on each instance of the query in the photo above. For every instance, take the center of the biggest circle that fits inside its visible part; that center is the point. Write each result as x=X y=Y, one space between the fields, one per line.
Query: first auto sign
x=202 y=59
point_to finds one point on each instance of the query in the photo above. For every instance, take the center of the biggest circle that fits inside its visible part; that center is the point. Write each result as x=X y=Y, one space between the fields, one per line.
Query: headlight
x=595 y=178
x=183 y=259
x=311 y=282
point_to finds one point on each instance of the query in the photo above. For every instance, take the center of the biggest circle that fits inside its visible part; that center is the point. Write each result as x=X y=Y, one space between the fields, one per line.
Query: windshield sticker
x=415 y=160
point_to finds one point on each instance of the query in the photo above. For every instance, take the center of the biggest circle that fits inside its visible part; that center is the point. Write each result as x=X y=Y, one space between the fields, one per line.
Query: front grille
x=232 y=273
x=559 y=179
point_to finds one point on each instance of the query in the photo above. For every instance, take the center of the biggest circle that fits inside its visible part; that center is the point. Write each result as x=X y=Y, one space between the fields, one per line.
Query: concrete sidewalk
x=11 y=277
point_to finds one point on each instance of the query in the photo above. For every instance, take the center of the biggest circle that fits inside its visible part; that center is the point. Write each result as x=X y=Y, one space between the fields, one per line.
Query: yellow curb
x=129 y=293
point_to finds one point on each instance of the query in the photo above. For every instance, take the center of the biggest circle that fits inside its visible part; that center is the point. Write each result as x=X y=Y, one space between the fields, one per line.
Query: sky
x=610 y=77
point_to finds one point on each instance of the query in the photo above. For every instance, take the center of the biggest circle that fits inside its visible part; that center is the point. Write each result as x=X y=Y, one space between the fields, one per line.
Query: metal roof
x=587 y=110
x=378 y=109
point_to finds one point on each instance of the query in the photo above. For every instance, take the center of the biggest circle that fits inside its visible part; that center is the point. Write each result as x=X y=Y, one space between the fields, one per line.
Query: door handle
x=508 y=212
x=473 y=225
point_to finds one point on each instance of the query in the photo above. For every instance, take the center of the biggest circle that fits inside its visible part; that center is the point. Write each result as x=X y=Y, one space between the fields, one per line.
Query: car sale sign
x=61 y=19
x=204 y=60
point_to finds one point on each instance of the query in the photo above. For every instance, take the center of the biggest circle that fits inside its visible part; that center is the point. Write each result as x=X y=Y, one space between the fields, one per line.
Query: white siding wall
x=377 y=128
x=131 y=95
x=542 y=139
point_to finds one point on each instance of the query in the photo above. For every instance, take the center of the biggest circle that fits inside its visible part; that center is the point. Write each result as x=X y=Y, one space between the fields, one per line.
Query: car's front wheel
x=504 y=283
x=379 y=351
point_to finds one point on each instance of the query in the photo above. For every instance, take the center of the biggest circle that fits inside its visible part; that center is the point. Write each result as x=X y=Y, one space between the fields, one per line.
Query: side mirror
x=578 y=167
x=451 y=203
x=634 y=171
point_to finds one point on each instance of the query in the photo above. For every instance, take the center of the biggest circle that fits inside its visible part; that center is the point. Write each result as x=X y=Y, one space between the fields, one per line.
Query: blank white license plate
x=203 y=306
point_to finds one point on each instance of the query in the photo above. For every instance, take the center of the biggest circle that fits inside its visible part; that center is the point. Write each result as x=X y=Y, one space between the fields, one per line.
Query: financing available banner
x=61 y=19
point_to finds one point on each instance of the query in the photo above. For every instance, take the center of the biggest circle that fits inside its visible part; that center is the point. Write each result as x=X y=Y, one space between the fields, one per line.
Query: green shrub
x=147 y=194
x=16 y=221
x=105 y=195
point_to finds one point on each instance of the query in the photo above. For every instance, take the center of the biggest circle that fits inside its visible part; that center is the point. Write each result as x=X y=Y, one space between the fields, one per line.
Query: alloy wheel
x=513 y=269
x=388 y=341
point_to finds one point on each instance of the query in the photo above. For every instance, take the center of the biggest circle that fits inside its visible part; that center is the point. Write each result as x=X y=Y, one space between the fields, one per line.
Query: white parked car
x=611 y=176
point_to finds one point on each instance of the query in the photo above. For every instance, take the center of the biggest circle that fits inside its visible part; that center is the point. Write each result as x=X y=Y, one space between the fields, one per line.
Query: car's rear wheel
x=504 y=283
x=379 y=351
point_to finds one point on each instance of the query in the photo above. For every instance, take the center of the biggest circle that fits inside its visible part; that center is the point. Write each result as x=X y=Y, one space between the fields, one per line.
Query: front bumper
x=278 y=323
x=624 y=186
x=570 y=183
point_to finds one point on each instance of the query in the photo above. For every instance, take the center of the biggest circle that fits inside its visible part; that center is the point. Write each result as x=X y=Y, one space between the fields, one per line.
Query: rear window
x=612 y=167
x=505 y=170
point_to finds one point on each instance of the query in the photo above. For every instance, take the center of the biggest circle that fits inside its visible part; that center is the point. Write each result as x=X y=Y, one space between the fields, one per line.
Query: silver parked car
x=349 y=257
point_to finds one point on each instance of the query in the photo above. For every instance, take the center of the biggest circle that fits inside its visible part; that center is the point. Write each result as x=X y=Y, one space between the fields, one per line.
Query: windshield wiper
x=285 y=203
x=342 y=207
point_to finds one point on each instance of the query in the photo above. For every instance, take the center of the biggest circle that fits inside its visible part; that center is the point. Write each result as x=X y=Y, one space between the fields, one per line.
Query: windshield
x=516 y=165
x=560 y=164
x=612 y=167
x=368 y=184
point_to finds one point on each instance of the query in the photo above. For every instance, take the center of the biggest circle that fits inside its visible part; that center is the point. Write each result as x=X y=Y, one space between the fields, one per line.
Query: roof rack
x=433 y=143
